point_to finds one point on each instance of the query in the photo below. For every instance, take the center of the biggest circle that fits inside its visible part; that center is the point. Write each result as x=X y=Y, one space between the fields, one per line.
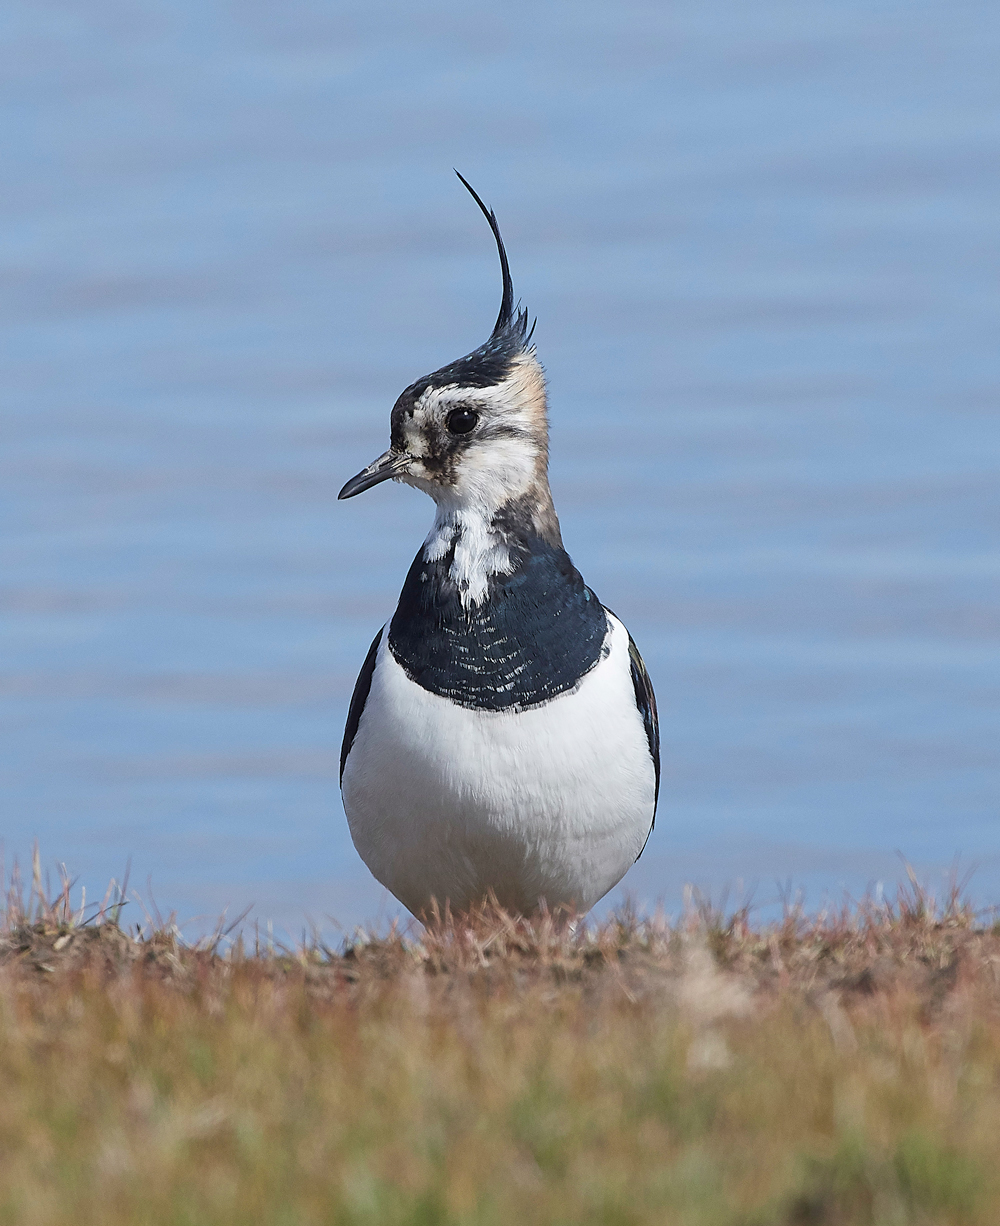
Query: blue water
x=761 y=243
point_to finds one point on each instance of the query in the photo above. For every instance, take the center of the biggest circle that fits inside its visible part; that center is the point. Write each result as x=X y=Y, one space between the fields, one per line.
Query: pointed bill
x=390 y=464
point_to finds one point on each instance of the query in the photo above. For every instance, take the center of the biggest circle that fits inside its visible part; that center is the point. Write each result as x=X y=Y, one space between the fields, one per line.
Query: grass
x=840 y=1068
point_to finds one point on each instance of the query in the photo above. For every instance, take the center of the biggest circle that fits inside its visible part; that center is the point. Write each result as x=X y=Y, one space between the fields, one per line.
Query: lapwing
x=502 y=738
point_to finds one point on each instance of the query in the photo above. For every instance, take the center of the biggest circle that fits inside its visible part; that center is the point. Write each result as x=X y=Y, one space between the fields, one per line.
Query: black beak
x=387 y=466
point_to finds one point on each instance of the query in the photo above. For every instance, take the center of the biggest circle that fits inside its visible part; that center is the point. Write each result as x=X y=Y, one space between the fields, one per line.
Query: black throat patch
x=537 y=632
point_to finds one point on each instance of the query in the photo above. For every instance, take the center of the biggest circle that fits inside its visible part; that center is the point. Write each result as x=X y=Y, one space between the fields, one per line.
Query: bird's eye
x=461 y=421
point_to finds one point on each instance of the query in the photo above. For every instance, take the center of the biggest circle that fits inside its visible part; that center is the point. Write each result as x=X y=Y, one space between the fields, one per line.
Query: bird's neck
x=476 y=541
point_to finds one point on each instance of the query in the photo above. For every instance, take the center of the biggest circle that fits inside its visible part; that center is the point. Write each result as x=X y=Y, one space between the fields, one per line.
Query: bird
x=502 y=740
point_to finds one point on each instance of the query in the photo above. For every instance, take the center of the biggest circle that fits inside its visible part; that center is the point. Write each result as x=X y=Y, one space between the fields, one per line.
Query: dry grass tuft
x=836 y=1069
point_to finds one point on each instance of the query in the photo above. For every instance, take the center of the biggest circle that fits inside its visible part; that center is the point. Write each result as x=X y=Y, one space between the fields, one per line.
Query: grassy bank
x=834 y=1069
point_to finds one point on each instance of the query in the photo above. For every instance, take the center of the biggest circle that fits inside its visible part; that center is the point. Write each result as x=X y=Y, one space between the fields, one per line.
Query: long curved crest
x=506 y=316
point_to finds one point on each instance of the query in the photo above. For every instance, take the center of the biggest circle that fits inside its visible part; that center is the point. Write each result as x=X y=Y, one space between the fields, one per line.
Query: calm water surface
x=761 y=243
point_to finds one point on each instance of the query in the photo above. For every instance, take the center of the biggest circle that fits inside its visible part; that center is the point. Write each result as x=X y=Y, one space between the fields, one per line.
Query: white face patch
x=500 y=459
x=471 y=477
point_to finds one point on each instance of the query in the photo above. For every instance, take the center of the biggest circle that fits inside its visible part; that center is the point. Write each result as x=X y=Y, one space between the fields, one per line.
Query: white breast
x=554 y=802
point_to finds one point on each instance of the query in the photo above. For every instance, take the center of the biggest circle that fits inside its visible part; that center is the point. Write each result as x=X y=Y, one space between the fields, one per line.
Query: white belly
x=554 y=802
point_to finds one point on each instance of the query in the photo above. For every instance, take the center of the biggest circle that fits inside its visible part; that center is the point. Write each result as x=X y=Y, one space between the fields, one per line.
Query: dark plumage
x=539 y=631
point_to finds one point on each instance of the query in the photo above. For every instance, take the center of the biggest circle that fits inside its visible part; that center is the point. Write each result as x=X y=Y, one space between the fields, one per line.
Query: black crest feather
x=490 y=363
x=505 y=317
x=509 y=323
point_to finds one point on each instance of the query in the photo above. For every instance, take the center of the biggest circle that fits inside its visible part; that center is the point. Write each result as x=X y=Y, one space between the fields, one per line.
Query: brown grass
x=840 y=1068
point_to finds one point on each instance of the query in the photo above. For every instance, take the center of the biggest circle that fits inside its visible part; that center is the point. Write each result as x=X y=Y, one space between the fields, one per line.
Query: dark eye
x=461 y=421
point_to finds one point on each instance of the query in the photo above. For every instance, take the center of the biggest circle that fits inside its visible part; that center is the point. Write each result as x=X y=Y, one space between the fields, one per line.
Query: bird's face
x=465 y=441
x=474 y=434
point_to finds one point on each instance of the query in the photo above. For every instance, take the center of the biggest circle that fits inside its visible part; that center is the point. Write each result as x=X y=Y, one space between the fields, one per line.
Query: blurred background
x=761 y=243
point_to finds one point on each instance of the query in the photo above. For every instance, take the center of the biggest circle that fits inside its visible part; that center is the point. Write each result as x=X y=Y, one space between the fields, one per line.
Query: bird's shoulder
x=362 y=687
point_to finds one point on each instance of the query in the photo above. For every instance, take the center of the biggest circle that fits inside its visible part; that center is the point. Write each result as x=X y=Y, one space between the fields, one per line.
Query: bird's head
x=474 y=434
